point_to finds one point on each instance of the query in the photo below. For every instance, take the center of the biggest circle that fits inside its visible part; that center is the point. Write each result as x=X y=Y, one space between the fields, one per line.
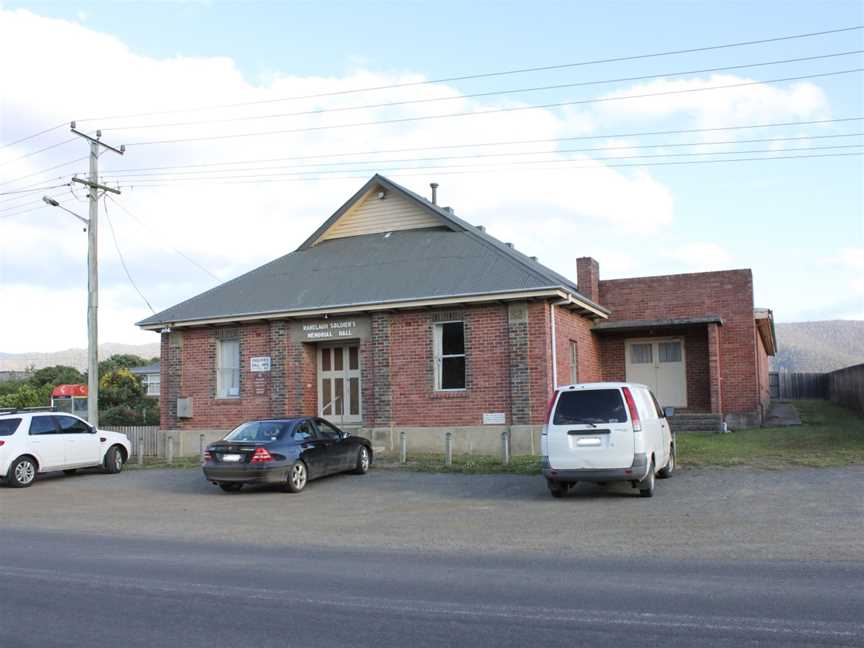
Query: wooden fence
x=153 y=440
x=846 y=386
x=787 y=385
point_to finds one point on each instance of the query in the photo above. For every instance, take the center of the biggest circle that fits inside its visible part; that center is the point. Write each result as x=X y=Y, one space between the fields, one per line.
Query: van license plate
x=232 y=457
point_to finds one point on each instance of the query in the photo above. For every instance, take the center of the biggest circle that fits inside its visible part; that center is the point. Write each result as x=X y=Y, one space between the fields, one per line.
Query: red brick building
x=396 y=315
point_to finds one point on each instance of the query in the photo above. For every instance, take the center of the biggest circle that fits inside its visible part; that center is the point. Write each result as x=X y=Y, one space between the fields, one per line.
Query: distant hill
x=819 y=346
x=72 y=357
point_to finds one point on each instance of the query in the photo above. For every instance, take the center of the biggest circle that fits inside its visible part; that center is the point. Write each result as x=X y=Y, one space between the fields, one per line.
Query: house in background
x=397 y=315
x=151 y=378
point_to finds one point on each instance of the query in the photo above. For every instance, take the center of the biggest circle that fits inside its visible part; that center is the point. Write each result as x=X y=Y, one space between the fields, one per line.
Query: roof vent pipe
x=510 y=245
x=482 y=228
x=534 y=258
x=434 y=186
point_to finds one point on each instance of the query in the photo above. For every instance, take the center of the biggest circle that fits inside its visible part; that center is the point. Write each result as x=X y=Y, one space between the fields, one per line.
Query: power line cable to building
x=240 y=180
x=686 y=131
x=486 y=75
x=41 y=171
x=460 y=97
x=122 y=260
x=145 y=228
x=29 y=137
x=42 y=150
x=202 y=172
x=478 y=113
x=38 y=188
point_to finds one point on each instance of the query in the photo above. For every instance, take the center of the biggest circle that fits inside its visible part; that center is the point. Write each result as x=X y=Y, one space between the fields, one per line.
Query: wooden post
x=140 y=447
x=448 y=449
x=403 y=447
x=505 y=448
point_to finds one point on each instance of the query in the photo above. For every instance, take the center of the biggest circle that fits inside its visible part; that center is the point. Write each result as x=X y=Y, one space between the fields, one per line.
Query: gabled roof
x=453 y=261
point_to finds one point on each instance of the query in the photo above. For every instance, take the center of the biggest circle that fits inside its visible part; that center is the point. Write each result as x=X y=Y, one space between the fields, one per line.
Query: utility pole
x=93 y=270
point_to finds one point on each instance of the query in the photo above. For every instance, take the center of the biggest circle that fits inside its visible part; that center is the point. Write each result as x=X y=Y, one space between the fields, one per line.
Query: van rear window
x=8 y=426
x=590 y=406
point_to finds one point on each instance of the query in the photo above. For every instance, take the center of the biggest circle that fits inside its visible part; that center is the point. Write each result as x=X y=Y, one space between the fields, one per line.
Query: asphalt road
x=159 y=558
x=62 y=589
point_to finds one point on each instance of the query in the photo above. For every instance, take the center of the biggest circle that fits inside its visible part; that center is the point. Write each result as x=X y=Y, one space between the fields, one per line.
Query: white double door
x=660 y=364
x=339 y=383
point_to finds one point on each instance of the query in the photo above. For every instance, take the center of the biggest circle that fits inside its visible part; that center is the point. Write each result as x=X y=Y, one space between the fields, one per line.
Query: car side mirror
x=668 y=411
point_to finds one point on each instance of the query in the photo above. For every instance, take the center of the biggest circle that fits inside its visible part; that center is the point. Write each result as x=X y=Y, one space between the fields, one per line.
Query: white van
x=603 y=432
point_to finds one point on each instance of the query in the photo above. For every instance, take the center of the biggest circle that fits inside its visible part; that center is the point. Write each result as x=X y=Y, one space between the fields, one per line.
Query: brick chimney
x=588 y=278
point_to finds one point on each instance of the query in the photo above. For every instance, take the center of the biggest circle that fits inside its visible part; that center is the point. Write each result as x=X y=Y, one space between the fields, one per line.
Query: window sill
x=450 y=393
x=227 y=399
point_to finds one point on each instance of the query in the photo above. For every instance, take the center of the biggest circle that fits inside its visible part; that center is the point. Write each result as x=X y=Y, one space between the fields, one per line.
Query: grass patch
x=462 y=464
x=829 y=436
x=157 y=462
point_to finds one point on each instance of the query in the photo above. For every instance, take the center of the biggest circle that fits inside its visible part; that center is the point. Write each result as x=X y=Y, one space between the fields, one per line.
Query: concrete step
x=696 y=422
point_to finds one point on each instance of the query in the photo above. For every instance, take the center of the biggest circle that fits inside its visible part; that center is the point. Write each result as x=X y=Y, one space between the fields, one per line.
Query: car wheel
x=666 y=472
x=556 y=488
x=22 y=472
x=113 y=463
x=646 y=486
x=297 y=478
x=363 y=461
x=230 y=487
x=70 y=471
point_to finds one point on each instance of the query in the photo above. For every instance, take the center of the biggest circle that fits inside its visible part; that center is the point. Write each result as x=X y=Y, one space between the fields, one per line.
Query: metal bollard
x=448 y=449
x=170 y=449
x=140 y=447
x=403 y=448
x=505 y=448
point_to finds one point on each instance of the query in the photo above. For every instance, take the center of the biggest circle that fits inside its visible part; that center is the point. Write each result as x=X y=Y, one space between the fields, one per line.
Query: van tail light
x=550 y=406
x=631 y=406
x=2 y=443
x=206 y=457
x=261 y=456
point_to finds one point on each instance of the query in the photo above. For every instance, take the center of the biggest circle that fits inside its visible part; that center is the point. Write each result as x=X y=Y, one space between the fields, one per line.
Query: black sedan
x=288 y=452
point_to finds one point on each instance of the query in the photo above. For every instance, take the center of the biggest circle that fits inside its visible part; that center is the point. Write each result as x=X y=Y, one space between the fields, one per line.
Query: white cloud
x=751 y=104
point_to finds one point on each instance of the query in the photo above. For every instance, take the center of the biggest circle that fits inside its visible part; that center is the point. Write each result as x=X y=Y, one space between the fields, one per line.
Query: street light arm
x=54 y=203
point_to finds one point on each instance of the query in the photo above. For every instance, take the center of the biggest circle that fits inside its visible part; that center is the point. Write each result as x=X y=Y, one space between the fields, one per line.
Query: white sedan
x=40 y=442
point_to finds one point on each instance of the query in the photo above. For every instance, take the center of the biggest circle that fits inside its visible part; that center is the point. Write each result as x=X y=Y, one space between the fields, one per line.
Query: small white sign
x=261 y=363
x=494 y=418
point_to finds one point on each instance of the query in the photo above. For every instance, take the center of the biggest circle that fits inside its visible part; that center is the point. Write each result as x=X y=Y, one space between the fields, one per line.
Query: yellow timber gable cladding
x=379 y=211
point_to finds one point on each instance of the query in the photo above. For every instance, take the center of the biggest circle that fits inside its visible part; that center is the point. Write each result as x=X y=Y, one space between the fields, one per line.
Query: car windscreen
x=8 y=426
x=259 y=431
x=590 y=406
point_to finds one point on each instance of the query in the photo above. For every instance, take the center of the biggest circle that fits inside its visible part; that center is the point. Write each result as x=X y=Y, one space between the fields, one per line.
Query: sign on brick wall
x=332 y=329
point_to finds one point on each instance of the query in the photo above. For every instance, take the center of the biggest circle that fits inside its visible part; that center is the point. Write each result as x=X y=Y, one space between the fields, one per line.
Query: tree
x=120 y=387
x=56 y=375
x=121 y=361
x=28 y=396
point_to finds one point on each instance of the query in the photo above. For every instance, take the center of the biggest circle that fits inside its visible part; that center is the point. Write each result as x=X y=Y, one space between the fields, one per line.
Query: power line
x=27 y=189
x=490 y=155
x=445 y=171
x=486 y=75
x=560 y=86
x=51 y=168
x=29 y=137
x=32 y=209
x=495 y=110
x=122 y=260
x=42 y=150
x=502 y=143
x=190 y=260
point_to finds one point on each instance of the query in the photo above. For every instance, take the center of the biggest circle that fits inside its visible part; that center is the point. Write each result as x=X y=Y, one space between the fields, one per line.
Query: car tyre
x=22 y=472
x=70 y=471
x=230 y=487
x=556 y=488
x=364 y=459
x=646 y=486
x=113 y=462
x=298 y=476
x=666 y=472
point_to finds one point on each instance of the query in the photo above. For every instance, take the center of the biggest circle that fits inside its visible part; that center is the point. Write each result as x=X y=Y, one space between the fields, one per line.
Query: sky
x=262 y=163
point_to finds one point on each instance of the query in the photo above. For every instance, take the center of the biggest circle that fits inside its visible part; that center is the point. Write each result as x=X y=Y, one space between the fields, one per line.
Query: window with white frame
x=449 y=350
x=152 y=382
x=228 y=368
x=574 y=363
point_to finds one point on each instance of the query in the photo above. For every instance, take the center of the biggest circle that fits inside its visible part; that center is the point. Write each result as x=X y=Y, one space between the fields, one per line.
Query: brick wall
x=728 y=294
x=570 y=327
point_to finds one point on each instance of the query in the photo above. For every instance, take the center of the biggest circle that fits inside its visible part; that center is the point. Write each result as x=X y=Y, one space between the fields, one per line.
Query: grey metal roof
x=454 y=260
x=149 y=369
x=635 y=325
